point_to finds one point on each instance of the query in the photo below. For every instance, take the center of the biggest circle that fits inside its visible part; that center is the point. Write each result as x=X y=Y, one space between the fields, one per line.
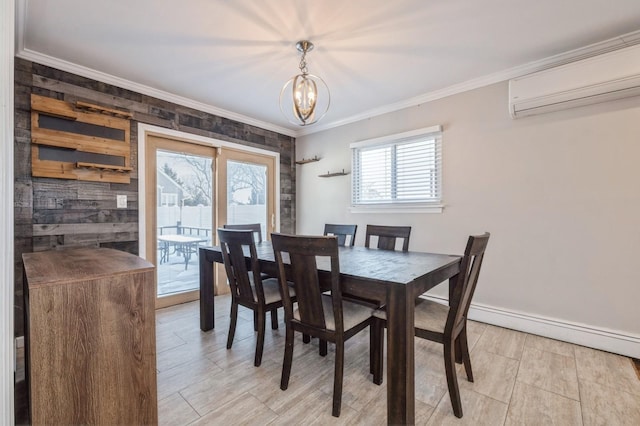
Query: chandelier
x=305 y=98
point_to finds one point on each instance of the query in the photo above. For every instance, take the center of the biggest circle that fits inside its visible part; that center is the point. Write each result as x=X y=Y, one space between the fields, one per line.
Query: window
x=398 y=171
x=169 y=199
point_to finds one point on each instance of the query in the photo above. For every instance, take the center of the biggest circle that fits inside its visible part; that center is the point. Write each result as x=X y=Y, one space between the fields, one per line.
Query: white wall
x=560 y=194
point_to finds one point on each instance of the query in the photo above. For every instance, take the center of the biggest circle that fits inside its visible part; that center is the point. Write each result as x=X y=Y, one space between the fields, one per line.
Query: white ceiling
x=232 y=57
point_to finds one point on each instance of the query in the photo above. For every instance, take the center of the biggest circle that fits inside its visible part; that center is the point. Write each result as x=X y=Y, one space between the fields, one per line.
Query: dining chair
x=255 y=227
x=444 y=324
x=387 y=236
x=325 y=316
x=342 y=232
x=257 y=232
x=248 y=287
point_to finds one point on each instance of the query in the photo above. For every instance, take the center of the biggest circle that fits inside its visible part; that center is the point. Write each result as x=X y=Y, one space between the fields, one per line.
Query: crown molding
x=33 y=56
x=615 y=43
x=147 y=90
x=599 y=48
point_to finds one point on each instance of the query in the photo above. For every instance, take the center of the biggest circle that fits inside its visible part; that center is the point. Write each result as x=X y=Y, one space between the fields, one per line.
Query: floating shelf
x=105 y=167
x=103 y=110
x=329 y=174
x=308 y=160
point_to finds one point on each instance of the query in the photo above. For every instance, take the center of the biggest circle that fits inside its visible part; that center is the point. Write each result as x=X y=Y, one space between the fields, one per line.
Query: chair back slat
x=255 y=227
x=233 y=244
x=465 y=285
x=342 y=232
x=305 y=280
x=296 y=258
x=387 y=236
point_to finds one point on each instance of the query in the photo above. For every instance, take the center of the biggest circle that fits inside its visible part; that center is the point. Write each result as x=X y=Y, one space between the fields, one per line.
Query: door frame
x=145 y=130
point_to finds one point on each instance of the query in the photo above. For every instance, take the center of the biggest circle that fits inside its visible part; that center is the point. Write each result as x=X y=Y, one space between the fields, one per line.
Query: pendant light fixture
x=305 y=98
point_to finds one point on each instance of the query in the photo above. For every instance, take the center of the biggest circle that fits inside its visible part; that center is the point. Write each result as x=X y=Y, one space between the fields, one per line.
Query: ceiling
x=232 y=57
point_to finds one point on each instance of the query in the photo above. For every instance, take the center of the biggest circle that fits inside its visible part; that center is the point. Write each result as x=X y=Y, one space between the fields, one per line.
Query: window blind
x=405 y=169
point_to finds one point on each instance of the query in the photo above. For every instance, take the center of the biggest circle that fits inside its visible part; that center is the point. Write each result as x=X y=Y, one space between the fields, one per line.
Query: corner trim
x=7 y=260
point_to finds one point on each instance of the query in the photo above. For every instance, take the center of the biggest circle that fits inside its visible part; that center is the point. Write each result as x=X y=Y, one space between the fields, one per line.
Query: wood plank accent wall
x=53 y=212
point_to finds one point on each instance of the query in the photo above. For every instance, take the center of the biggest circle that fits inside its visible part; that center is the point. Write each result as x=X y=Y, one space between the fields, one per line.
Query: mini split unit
x=610 y=76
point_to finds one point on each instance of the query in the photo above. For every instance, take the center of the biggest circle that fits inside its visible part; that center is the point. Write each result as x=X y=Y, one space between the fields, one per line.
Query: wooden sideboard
x=90 y=337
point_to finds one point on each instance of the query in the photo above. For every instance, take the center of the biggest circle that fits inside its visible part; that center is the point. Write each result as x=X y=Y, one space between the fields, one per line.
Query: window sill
x=396 y=208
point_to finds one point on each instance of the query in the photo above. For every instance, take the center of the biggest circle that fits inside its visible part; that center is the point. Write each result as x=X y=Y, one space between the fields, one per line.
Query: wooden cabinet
x=90 y=337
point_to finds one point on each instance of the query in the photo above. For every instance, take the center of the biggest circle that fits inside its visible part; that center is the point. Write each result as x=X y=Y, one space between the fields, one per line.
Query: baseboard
x=579 y=334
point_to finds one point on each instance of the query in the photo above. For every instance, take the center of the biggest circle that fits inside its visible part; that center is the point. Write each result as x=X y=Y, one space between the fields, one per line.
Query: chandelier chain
x=303 y=64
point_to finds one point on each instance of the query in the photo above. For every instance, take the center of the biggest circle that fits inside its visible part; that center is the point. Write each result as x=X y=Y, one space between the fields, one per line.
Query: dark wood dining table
x=393 y=278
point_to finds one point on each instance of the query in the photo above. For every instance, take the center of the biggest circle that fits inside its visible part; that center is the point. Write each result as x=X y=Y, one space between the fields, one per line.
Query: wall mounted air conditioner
x=612 y=75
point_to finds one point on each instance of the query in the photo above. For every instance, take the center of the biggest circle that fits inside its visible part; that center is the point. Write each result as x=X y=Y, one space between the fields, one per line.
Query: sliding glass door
x=191 y=189
x=180 y=200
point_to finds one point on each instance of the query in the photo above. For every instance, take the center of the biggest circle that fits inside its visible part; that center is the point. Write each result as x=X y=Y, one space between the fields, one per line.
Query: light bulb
x=305 y=94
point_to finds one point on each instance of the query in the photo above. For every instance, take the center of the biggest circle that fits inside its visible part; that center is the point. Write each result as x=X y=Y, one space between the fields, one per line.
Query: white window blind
x=403 y=169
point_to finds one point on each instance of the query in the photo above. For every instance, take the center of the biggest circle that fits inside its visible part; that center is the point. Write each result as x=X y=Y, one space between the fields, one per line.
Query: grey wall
x=560 y=194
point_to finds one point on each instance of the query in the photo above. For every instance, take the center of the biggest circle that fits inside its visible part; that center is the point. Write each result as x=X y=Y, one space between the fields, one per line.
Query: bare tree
x=198 y=184
x=247 y=176
x=198 y=180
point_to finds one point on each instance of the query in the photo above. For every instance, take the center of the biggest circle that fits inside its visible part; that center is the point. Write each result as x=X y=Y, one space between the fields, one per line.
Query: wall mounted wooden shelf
x=80 y=165
x=328 y=174
x=79 y=141
x=103 y=110
x=308 y=160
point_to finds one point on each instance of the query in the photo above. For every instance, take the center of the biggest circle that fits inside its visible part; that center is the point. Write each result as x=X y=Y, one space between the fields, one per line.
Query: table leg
x=400 y=355
x=167 y=247
x=207 y=286
x=186 y=252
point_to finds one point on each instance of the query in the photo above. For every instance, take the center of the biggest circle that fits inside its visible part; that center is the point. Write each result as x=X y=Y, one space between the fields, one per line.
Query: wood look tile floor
x=520 y=379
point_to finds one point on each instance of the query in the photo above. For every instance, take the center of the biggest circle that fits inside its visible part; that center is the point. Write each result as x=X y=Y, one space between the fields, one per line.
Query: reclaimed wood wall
x=50 y=213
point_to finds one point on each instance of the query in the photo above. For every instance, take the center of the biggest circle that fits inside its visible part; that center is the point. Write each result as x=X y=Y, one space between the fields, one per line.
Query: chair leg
x=452 y=380
x=274 y=319
x=260 y=342
x=255 y=320
x=323 y=347
x=232 y=324
x=337 y=379
x=458 y=351
x=466 y=358
x=306 y=338
x=288 y=358
x=377 y=351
